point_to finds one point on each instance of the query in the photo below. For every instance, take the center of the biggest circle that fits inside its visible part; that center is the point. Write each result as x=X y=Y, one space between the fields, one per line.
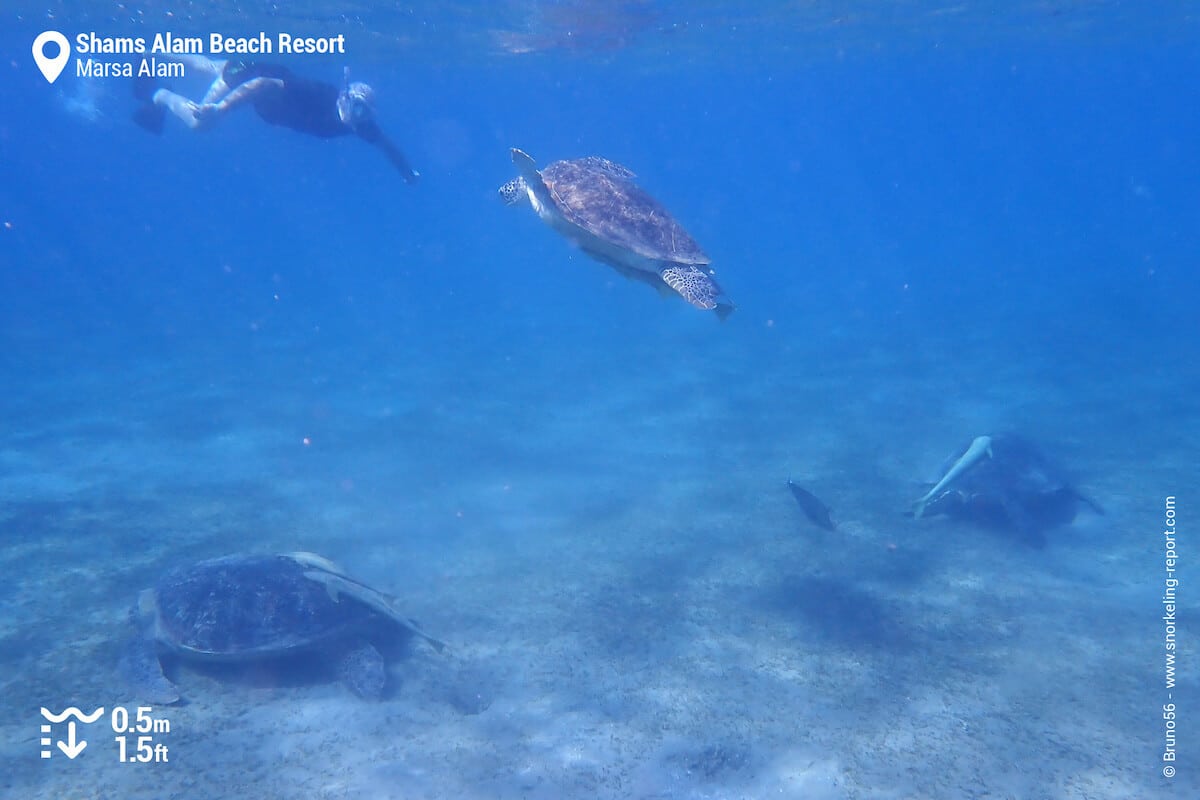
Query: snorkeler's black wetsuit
x=302 y=104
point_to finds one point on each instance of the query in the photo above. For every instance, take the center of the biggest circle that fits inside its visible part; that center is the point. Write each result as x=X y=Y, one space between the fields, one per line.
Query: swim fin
x=144 y=87
x=151 y=117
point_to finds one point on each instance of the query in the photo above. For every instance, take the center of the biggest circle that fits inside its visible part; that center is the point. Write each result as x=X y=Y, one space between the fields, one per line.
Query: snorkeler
x=279 y=96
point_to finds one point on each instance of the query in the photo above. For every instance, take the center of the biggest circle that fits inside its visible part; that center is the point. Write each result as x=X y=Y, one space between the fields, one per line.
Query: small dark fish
x=816 y=511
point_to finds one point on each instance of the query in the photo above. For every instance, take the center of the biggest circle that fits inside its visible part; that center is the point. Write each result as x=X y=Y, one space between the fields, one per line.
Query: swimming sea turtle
x=1004 y=481
x=248 y=608
x=596 y=204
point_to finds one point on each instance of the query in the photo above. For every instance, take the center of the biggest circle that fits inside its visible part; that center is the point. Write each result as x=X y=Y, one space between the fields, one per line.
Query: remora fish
x=816 y=511
x=980 y=448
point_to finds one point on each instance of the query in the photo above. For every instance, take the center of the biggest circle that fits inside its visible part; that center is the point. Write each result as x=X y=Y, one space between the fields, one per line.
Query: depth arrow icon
x=71 y=748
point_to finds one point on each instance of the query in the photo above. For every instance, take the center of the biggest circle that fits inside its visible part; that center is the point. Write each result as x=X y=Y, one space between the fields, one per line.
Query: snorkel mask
x=356 y=103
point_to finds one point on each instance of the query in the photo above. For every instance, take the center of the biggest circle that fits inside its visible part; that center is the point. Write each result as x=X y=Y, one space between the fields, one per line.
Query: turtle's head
x=514 y=192
x=356 y=104
x=144 y=613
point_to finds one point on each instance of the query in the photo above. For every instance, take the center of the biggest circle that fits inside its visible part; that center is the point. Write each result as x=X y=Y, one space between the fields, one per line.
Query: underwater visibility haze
x=365 y=483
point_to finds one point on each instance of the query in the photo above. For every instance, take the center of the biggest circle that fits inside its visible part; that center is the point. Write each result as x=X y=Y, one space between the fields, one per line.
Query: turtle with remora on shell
x=245 y=608
x=1004 y=481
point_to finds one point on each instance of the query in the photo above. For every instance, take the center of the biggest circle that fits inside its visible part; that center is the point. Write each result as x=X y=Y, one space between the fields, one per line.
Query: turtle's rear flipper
x=142 y=671
x=1089 y=502
x=362 y=669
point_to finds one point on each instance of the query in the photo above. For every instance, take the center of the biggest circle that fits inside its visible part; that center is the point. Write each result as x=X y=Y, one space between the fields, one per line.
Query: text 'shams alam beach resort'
x=599 y=400
x=91 y=48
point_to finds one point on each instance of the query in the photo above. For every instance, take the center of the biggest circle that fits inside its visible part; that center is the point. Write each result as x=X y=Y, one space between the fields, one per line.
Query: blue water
x=935 y=223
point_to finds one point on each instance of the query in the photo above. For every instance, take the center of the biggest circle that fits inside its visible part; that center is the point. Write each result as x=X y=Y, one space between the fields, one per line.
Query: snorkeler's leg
x=216 y=91
x=206 y=66
x=202 y=64
x=244 y=92
x=207 y=113
x=219 y=87
x=178 y=105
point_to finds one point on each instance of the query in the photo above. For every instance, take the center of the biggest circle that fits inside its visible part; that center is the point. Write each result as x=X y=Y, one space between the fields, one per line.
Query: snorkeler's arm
x=397 y=158
x=373 y=134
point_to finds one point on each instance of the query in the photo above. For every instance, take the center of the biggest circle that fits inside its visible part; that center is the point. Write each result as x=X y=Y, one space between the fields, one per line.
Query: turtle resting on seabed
x=243 y=609
x=1003 y=481
x=596 y=204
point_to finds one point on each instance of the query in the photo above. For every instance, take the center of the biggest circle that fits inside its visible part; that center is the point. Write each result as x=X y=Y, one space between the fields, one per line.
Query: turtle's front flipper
x=698 y=288
x=362 y=669
x=142 y=670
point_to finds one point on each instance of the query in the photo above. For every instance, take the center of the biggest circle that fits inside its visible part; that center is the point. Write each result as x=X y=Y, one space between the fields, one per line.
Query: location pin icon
x=51 y=67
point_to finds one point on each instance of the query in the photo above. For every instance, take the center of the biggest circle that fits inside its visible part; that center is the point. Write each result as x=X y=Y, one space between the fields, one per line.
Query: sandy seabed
x=635 y=605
